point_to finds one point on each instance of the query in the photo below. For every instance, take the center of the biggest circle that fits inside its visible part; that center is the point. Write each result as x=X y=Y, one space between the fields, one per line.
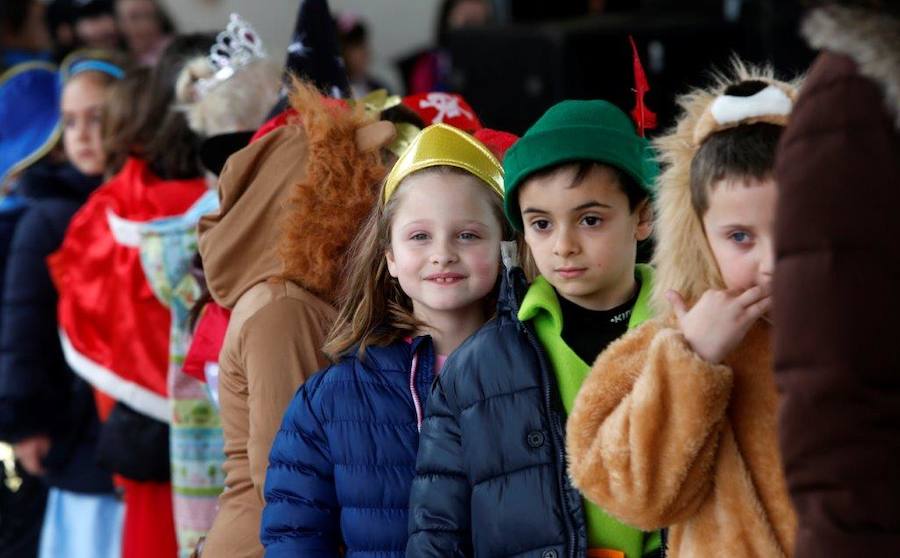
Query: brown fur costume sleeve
x=643 y=433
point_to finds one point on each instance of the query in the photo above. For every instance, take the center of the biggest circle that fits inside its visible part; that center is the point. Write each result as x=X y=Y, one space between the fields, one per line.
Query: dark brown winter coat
x=837 y=290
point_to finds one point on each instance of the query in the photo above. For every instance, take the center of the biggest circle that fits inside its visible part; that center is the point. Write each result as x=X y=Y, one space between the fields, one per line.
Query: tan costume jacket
x=277 y=328
x=659 y=437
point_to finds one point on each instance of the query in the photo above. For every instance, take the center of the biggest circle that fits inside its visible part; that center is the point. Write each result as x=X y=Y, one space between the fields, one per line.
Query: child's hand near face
x=717 y=323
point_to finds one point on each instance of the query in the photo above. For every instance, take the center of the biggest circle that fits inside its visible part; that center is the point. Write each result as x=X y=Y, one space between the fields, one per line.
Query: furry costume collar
x=870 y=38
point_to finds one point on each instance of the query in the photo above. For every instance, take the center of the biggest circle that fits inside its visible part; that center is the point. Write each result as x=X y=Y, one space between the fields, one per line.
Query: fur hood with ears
x=683 y=260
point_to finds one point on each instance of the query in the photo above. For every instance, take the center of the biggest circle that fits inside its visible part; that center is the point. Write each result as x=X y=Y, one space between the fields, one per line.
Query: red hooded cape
x=114 y=332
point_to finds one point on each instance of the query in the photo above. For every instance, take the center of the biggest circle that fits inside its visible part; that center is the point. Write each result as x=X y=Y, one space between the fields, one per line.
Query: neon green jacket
x=541 y=306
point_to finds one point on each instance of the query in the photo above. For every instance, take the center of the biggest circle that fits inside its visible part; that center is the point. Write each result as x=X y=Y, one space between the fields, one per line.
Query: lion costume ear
x=375 y=135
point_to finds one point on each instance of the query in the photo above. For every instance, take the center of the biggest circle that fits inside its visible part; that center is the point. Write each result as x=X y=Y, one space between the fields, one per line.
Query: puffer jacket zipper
x=421 y=345
x=552 y=416
x=558 y=440
x=417 y=403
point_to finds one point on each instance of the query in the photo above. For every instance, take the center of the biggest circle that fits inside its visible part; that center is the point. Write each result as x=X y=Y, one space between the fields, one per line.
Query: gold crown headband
x=770 y=105
x=440 y=145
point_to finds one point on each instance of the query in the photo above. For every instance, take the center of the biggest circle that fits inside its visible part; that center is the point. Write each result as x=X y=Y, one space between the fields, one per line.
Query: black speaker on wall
x=512 y=74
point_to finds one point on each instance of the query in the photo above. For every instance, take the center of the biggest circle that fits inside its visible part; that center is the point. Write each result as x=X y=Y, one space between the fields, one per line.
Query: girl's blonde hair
x=373 y=309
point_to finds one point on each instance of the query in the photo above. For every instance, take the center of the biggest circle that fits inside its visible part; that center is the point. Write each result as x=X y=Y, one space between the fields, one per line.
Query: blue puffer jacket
x=342 y=464
x=39 y=394
x=491 y=473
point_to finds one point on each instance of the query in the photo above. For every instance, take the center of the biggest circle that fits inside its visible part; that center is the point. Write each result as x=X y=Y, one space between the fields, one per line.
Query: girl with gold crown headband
x=676 y=424
x=420 y=280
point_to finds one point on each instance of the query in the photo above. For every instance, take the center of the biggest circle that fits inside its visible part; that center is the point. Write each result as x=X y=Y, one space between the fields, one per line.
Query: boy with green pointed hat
x=491 y=472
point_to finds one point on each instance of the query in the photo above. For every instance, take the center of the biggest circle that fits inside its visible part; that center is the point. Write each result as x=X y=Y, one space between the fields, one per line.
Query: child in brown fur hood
x=676 y=424
x=273 y=255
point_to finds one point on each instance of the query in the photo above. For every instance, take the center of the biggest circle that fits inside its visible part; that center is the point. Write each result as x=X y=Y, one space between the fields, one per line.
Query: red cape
x=114 y=332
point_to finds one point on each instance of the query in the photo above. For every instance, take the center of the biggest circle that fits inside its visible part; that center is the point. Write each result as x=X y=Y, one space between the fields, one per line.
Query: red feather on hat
x=643 y=116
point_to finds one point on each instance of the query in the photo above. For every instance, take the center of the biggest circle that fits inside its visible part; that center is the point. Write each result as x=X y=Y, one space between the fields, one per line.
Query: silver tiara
x=237 y=46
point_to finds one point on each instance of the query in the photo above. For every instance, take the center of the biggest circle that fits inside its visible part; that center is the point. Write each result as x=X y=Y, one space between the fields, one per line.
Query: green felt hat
x=577 y=131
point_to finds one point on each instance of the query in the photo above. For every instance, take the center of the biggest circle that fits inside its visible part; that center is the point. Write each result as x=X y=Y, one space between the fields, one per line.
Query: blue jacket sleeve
x=34 y=378
x=439 y=523
x=301 y=517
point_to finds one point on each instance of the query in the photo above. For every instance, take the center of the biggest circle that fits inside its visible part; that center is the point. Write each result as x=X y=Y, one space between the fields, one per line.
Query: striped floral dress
x=196 y=443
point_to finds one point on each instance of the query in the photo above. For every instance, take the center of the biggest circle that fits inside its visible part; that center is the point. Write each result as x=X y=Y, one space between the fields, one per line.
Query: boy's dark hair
x=746 y=151
x=629 y=186
x=169 y=146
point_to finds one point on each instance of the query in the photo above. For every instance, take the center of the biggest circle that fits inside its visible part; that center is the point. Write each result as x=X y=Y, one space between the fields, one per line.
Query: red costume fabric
x=497 y=141
x=149 y=530
x=207 y=342
x=114 y=332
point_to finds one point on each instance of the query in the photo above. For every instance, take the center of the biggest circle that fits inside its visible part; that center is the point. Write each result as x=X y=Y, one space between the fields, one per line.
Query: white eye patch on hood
x=728 y=109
